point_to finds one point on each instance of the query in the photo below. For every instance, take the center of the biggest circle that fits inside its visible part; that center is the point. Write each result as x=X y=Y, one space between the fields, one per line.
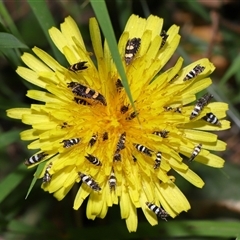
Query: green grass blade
x=45 y=19
x=5 y=17
x=198 y=8
x=12 y=56
x=34 y=180
x=233 y=69
x=9 y=137
x=7 y=40
x=9 y=183
x=101 y=12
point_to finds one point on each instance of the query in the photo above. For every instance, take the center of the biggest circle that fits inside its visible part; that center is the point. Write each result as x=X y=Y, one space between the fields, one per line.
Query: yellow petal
x=30 y=76
x=17 y=113
x=191 y=176
x=132 y=220
x=82 y=193
x=135 y=26
x=35 y=64
x=211 y=160
x=200 y=136
x=50 y=61
x=29 y=134
x=41 y=96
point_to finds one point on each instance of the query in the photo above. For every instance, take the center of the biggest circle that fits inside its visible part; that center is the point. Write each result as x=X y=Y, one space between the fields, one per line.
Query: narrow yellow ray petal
x=200 y=136
x=216 y=146
x=131 y=220
x=30 y=76
x=191 y=176
x=154 y=24
x=172 y=194
x=81 y=195
x=94 y=206
x=17 y=113
x=211 y=161
x=42 y=96
x=96 y=38
x=35 y=64
x=124 y=203
x=62 y=192
x=135 y=26
x=70 y=29
x=47 y=59
x=30 y=134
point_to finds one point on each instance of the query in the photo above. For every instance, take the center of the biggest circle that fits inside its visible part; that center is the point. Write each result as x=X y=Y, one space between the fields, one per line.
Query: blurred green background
x=209 y=29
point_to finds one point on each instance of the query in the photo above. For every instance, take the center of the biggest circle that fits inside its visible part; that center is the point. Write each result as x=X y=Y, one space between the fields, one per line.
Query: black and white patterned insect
x=77 y=66
x=143 y=149
x=168 y=108
x=86 y=92
x=121 y=142
x=158 y=160
x=81 y=101
x=93 y=140
x=211 y=118
x=119 y=85
x=164 y=36
x=92 y=159
x=200 y=104
x=90 y=182
x=124 y=109
x=196 y=151
x=64 y=125
x=117 y=157
x=67 y=143
x=131 y=49
x=105 y=136
x=163 y=133
x=177 y=109
x=194 y=72
x=120 y=146
x=160 y=212
x=47 y=176
x=35 y=158
x=132 y=116
x=112 y=181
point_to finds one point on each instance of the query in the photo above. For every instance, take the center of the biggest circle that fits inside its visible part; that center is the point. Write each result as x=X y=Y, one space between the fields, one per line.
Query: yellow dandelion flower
x=86 y=131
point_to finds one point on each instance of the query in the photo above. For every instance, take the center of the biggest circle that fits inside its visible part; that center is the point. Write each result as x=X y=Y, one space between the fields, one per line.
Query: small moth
x=196 y=151
x=77 y=66
x=164 y=36
x=92 y=159
x=211 y=118
x=131 y=49
x=200 y=104
x=163 y=133
x=67 y=143
x=194 y=72
x=158 y=160
x=160 y=212
x=86 y=92
x=112 y=181
x=90 y=182
x=143 y=149
x=47 y=176
x=35 y=158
